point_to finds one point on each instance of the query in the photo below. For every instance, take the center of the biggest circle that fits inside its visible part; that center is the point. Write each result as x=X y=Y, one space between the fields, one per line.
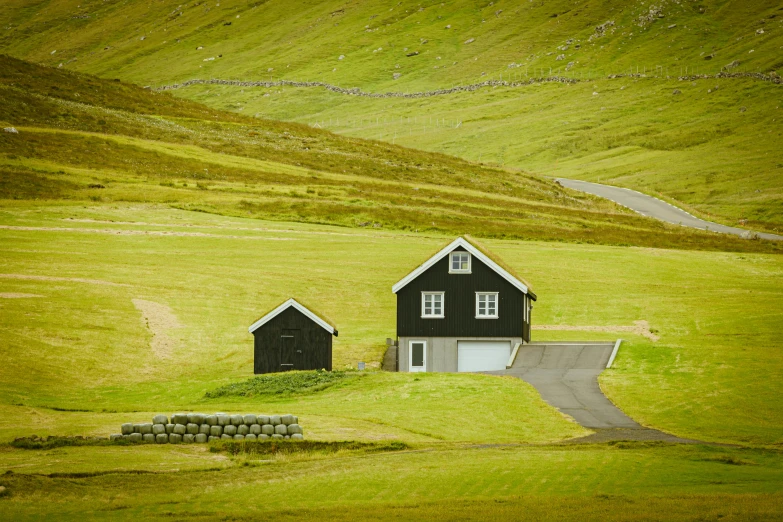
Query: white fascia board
x=291 y=302
x=473 y=251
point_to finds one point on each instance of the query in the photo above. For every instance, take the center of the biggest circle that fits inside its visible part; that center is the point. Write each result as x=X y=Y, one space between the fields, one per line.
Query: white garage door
x=482 y=356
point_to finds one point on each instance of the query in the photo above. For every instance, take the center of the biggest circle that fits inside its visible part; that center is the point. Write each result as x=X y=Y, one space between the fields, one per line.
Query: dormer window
x=459 y=262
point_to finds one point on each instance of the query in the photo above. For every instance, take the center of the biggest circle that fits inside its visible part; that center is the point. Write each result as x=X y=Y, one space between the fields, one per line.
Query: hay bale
x=223 y=420
x=135 y=437
x=211 y=420
x=179 y=418
x=146 y=428
x=215 y=431
x=191 y=428
x=296 y=419
x=250 y=419
x=236 y=420
x=274 y=420
x=148 y=438
x=281 y=429
x=262 y=419
x=157 y=429
x=226 y=437
x=267 y=429
x=255 y=429
x=188 y=438
x=180 y=429
x=175 y=438
x=137 y=428
x=287 y=419
x=169 y=429
x=230 y=430
x=244 y=429
x=160 y=419
x=239 y=437
x=297 y=436
x=294 y=428
x=263 y=436
x=277 y=436
x=250 y=436
x=211 y=438
x=287 y=437
x=127 y=428
x=204 y=428
x=126 y=437
x=201 y=438
x=196 y=418
x=161 y=438
x=115 y=436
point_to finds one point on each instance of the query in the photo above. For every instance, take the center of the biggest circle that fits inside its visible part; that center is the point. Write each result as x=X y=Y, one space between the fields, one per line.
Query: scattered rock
x=414 y=53
x=396 y=76
x=341 y=57
x=672 y=26
x=143 y=38
x=200 y=47
x=600 y=30
x=12 y=130
x=227 y=23
x=676 y=92
x=743 y=109
x=470 y=40
x=53 y=51
x=560 y=57
x=569 y=66
x=448 y=26
x=709 y=57
x=655 y=12
x=759 y=31
x=595 y=93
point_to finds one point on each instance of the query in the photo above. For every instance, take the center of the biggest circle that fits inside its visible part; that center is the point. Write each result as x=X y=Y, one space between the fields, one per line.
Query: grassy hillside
x=90 y=264
x=85 y=139
x=714 y=152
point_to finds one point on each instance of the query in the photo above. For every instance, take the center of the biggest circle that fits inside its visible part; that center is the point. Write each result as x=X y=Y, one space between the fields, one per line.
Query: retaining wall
x=202 y=427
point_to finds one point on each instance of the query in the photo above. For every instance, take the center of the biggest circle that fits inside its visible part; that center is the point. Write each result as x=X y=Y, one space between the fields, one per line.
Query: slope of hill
x=714 y=152
x=82 y=138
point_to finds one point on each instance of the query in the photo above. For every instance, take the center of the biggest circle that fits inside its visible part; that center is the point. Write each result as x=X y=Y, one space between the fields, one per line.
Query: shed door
x=288 y=350
x=482 y=356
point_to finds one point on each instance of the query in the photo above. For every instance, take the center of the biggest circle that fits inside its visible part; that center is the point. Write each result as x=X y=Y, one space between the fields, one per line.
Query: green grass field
x=712 y=149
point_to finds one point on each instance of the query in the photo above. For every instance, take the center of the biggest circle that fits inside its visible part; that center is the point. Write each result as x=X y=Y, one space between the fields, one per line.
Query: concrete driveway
x=566 y=376
x=654 y=207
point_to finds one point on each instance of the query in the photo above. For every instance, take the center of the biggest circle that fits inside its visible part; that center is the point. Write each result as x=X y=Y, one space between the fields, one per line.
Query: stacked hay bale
x=200 y=427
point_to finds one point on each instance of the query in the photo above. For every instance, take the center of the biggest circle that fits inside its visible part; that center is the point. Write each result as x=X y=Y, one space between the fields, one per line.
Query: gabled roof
x=475 y=252
x=320 y=321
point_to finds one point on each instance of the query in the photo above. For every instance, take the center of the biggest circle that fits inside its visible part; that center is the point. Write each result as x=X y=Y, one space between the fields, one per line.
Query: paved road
x=566 y=376
x=653 y=207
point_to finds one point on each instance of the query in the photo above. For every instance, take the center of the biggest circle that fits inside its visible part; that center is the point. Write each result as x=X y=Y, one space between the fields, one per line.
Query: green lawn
x=717 y=314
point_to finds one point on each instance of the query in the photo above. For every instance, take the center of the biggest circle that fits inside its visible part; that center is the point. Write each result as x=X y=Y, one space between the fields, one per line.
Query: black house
x=460 y=311
x=291 y=337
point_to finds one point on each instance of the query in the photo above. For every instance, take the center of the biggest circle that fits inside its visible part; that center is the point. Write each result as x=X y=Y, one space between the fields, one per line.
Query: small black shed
x=292 y=337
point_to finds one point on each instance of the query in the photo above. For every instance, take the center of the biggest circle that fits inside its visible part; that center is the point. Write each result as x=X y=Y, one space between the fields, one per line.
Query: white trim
x=442 y=305
x=474 y=252
x=291 y=302
x=497 y=306
x=460 y=271
x=614 y=353
x=410 y=356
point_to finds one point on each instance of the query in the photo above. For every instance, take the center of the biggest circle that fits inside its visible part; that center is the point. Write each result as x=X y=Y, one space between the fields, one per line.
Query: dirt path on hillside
x=16 y=295
x=159 y=319
x=639 y=328
x=67 y=279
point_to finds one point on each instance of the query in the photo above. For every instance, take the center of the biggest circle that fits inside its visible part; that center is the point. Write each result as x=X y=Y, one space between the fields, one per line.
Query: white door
x=417 y=356
x=482 y=356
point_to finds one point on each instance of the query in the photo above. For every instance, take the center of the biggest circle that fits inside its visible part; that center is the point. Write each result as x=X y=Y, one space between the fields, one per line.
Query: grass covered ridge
x=293 y=382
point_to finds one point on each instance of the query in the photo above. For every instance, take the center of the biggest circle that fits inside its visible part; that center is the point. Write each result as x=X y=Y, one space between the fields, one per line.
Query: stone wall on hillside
x=201 y=427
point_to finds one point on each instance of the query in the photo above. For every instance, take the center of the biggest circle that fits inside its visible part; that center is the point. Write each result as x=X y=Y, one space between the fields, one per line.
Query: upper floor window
x=432 y=305
x=459 y=263
x=486 y=305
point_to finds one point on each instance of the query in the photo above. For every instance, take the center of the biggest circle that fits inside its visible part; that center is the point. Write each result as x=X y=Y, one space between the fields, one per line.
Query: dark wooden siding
x=460 y=304
x=314 y=343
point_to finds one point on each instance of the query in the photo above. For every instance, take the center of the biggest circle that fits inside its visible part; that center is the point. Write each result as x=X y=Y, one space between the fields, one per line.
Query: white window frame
x=460 y=270
x=412 y=368
x=497 y=306
x=442 y=305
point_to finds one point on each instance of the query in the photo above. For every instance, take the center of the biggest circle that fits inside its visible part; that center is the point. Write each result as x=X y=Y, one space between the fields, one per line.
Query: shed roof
x=477 y=251
x=316 y=318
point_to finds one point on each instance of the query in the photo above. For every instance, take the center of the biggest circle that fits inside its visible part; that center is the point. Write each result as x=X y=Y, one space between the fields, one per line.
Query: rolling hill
x=646 y=111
